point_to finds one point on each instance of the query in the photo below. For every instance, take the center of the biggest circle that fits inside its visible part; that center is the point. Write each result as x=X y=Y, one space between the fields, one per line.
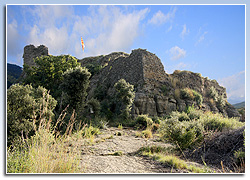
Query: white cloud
x=177 y=53
x=184 y=32
x=54 y=38
x=160 y=18
x=235 y=86
x=50 y=28
x=104 y=29
x=201 y=38
x=108 y=29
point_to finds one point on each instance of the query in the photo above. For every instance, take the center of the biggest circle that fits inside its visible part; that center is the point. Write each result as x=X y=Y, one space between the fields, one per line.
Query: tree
x=48 y=72
x=25 y=105
x=124 y=97
x=74 y=86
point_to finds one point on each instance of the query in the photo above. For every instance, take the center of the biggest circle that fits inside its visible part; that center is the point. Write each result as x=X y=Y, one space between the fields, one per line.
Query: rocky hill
x=157 y=93
x=13 y=73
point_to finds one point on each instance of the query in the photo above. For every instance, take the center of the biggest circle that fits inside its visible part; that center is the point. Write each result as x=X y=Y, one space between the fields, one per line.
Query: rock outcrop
x=157 y=93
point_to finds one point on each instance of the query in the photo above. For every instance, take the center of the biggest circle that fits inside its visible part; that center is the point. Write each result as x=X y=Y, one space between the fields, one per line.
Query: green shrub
x=181 y=116
x=94 y=68
x=187 y=129
x=46 y=151
x=147 y=133
x=156 y=120
x=183 y=134
x=48 y=72
x=143 y=121
x=186 y=93
x=190 y=94
x=74 y=87
x=25 y=105
x=90 y=131
x=239 y=157
x=218 y=99
x=124 y=98
x=94 y=106
x=217 y=122
x=194 y=114
x=198 y=97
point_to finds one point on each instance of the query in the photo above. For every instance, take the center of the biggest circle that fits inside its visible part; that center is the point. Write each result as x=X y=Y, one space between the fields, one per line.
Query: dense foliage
x=74 y=86
x=24 y=106
x=48 y=72
x=124 y=97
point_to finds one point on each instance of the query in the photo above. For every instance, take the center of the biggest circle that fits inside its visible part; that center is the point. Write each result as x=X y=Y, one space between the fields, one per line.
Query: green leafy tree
x=74 y=86
x=48 y=72
x=124 y=97
x=25 y=105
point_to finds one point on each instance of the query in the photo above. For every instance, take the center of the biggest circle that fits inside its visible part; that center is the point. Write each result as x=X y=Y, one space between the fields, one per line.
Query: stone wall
x=31 y=52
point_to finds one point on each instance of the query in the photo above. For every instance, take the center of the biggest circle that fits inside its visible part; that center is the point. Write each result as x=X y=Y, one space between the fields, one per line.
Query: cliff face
x=157 y=93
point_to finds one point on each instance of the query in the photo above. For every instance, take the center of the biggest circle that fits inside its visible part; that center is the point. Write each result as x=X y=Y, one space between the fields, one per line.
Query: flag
x=83 y=46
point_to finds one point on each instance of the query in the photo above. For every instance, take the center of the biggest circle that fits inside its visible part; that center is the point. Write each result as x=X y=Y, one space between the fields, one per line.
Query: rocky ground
x=116 y=151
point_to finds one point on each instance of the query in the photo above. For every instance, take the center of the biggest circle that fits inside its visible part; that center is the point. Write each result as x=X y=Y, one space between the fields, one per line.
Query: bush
x=181 y=116
x=184 y=134
x=218 y=99
x=193 y=113
x=74 y=86
x=124 y=98
x=25 y=105
x=143 y=121
x=213 y=93
x=190 y=94
x=147 y=133
x=187 y=129
x=156 y=120
x=217 y=122
x=94 y=106
x=48 y=72
x=46 y=151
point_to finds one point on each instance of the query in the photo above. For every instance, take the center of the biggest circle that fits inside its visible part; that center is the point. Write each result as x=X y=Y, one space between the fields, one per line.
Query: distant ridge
x=13 y=73
x=239 y=105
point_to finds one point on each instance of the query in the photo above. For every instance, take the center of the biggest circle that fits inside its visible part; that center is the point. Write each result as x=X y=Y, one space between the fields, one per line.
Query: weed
x=46 y=151
x=147 y=134
x=118 y=153
x=120 y=126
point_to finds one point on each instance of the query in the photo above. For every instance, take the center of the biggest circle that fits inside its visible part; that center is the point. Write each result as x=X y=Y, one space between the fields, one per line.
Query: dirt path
x=114 y=151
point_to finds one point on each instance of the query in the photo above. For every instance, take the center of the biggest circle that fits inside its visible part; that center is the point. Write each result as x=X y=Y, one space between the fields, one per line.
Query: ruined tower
x=31 y=52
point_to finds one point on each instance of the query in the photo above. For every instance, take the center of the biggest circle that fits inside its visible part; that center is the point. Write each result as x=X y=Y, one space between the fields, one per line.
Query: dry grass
x=47 y=151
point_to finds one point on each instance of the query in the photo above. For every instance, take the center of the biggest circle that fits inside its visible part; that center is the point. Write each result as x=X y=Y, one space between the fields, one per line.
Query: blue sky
x=209 y=39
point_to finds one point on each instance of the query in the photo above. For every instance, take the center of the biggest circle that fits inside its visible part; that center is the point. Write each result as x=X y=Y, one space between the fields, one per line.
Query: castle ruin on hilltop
x=157 y=93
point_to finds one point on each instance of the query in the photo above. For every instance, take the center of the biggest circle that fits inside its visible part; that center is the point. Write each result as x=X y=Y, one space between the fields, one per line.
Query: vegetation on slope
x=51 y=108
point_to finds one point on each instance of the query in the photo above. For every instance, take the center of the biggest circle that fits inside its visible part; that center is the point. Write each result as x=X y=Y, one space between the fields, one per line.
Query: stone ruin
x=31 y=52
x=155 y=89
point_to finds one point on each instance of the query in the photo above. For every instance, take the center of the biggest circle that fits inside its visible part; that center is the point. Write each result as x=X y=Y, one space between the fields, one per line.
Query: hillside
x=119 y=113
x=13 y=73
x=156 y=92
x=239 y=105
